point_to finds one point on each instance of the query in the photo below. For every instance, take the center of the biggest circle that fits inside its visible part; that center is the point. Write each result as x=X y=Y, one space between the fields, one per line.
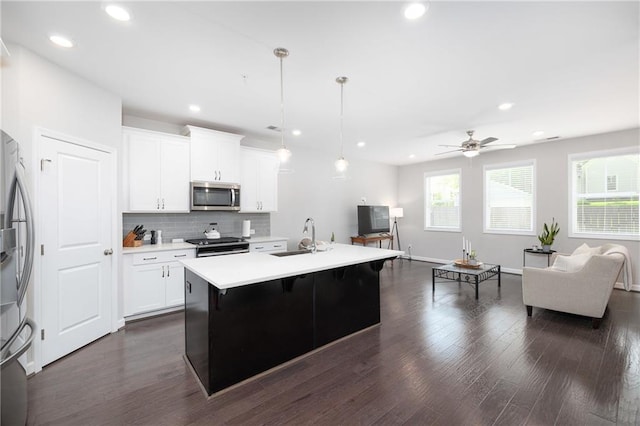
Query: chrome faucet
x=313 y=233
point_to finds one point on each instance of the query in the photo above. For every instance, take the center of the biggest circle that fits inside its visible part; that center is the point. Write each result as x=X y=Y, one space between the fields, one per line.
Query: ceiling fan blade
x=487 y=140
x=501 y=146
x=448 y=152
x=451 y=146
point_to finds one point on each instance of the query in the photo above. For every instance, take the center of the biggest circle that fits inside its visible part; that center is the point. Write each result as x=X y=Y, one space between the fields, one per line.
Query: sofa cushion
x=572 y=263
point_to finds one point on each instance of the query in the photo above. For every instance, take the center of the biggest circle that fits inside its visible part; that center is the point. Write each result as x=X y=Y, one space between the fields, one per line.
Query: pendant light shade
x=283 y=153
x=341 y=163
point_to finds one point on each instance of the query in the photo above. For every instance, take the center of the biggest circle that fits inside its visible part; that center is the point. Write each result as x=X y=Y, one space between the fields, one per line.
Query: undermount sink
x=290 y=253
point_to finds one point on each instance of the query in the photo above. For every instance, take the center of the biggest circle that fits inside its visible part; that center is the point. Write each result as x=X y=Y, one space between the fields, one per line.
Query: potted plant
x=472 y=258
x=548 y=234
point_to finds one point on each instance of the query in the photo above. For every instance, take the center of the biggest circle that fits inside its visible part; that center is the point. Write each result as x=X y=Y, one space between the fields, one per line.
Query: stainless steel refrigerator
x=16 y=261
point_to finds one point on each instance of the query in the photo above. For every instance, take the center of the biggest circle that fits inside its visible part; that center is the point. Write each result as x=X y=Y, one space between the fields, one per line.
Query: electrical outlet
x=252 y=232
x=363 y=200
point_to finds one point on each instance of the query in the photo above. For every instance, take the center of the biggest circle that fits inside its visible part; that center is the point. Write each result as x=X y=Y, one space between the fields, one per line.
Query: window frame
x=571 y=196
x=534 y=205
x=436 y=173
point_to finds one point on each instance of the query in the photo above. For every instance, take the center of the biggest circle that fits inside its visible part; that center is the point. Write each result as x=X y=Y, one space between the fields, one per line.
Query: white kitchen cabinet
x=156 y=172
x=215 y=155
x=258 y=181
x=154 y=281
x=274 y=246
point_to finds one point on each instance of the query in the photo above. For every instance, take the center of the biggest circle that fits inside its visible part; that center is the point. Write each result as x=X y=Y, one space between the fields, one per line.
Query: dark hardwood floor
x=444 y=359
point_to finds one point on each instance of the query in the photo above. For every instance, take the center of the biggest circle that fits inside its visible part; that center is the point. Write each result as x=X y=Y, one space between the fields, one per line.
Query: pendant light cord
x=281 y=105
x=341 y=119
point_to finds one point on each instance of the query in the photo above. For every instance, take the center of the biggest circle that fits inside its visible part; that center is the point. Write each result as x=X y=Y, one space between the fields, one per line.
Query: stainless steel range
x=219 y=246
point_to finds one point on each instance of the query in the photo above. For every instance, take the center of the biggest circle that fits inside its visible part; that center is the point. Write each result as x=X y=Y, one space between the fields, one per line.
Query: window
x=509 y=198
x=442 y=200
x=604 y=194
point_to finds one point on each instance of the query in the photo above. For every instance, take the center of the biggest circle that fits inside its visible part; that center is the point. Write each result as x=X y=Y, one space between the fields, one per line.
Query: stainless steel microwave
x=215 y=196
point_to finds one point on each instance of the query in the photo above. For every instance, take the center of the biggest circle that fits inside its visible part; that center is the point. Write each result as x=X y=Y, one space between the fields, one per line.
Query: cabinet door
x=268 y=182
x=174 y=190
x=248 y=181
x=229 y=158
x=174 y=280
x=144 y=172
x=204 y=156
x=146 y=289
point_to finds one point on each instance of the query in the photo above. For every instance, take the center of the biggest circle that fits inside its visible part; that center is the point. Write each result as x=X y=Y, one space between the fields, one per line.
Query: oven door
x=221 y=249
x=214 y=196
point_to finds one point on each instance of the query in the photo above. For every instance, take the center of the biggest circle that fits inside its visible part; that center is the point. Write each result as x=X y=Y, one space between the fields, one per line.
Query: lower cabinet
x=269 y=246
x=154 y=280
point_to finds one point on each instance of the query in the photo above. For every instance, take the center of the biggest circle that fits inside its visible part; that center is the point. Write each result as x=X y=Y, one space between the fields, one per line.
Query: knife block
x=130 y=241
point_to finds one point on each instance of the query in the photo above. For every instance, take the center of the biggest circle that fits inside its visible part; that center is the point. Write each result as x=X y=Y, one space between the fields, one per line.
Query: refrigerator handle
x=20 y=183
x=25 y=322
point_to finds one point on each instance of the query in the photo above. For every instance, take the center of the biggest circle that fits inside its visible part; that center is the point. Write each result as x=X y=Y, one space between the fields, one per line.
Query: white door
x=268 y=183
x=174 y=279
x=174 y=165
x=144 y=172
x=76 y=192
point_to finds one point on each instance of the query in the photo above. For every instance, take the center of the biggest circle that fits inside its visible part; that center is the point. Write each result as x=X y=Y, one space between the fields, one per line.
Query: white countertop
x=265 y=239
x=146 y=248
x=249 y=268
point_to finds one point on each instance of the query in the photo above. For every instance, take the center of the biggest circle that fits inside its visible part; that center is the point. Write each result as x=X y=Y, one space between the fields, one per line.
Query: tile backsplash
x=192 y=225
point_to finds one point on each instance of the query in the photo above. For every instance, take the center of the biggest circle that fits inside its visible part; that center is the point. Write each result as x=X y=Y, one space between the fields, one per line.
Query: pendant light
x=341 y=163
x=283 y=153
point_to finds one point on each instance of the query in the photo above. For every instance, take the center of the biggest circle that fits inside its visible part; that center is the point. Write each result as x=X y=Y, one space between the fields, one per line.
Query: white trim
x=437 y=173
x=38 y=134
x=153 y=313
x=634 y=287
x=534 y=206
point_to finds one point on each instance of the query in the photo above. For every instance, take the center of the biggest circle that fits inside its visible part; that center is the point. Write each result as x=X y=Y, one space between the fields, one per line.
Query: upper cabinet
x=258 y=181
x=156 y=171
x=215 y=155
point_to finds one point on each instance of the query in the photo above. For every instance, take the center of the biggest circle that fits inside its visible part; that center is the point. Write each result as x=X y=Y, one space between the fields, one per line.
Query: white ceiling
x=570 y=68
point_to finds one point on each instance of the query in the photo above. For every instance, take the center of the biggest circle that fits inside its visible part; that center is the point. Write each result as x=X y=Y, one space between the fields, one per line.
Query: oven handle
x=233 y=198
x=222 y=253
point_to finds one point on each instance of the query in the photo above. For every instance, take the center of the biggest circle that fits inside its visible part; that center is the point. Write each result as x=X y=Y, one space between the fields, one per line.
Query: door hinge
x=41 y=249
x=42 y=334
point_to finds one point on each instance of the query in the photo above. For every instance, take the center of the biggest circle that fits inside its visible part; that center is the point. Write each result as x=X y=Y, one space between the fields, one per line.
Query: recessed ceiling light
x=538 y=133
x=296 y=132
x=118 y=13
x=412 y=156
x=414 y=10
x=505 y=106
x=194 y=108
x=61 y=41
x=361 y=144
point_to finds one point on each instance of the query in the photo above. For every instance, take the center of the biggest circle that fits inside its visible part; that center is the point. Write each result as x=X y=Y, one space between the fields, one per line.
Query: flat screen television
x=373 y=219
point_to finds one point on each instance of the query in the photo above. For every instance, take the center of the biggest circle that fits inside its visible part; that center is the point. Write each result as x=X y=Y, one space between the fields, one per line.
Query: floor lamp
x=396 y=212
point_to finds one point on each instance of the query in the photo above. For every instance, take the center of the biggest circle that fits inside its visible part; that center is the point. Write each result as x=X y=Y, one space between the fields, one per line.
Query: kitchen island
x=247 y=313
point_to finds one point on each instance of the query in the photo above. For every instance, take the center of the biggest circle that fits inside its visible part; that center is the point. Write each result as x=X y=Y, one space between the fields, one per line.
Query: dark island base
x=232 y=335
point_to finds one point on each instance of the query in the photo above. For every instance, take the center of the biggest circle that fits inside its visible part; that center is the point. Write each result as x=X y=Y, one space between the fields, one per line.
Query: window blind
x=509 y=198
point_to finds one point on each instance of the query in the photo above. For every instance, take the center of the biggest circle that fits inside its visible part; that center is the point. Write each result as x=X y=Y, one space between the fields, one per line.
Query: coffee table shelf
x=451 y=272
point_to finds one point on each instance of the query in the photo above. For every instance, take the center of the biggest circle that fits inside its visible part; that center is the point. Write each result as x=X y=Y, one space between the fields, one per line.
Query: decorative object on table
x=473 y=261
x=548 y=234
x=134 y=237
x=341 y=163
x=283 y=153
x=467 y=264
x=396 y=212
x=466 y=249
x=212 y=234
x=333 y=238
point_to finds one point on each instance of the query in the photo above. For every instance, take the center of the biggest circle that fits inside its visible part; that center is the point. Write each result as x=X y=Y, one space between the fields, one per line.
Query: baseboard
x=119 y=324
x=634 y=287
x=445 y=261
x=154 y=313
x=31 y=368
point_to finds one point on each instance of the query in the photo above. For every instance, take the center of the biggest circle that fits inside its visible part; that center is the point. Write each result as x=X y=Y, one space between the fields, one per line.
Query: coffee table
x=474 y=276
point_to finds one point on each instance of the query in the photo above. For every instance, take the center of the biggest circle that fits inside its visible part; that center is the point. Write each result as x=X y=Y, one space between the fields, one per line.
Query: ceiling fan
x=471 y=148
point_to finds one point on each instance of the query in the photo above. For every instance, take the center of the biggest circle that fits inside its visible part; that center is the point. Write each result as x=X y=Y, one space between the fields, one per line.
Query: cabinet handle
x=168 y=271
x=259 y=248
x=179 y=255
x=162 y=271
x=163 y=204
x=219 y=175
x=277 y=245
x=158 y=203
x=149 y=258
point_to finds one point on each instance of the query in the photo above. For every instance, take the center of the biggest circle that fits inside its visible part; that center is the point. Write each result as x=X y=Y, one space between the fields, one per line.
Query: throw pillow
x=584 y=248
x=572 y=263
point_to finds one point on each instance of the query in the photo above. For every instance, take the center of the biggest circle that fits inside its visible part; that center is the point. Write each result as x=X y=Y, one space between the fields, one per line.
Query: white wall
x=552 y=201
x=311 y=191
x=37 y=93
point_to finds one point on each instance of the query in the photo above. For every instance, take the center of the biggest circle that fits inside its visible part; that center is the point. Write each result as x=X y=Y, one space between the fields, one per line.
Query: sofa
x=580 y=283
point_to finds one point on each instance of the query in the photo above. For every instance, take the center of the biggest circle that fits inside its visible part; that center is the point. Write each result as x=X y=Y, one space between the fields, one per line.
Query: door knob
x=108 y=252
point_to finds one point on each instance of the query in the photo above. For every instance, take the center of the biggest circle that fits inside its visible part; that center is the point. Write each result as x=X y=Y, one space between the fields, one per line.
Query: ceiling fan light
x=283 y=154
x=471 y=153
x=414 y=11
x=341 y=165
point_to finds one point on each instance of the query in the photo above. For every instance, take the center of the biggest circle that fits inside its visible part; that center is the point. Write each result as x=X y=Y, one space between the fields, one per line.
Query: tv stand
x=364 y=240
